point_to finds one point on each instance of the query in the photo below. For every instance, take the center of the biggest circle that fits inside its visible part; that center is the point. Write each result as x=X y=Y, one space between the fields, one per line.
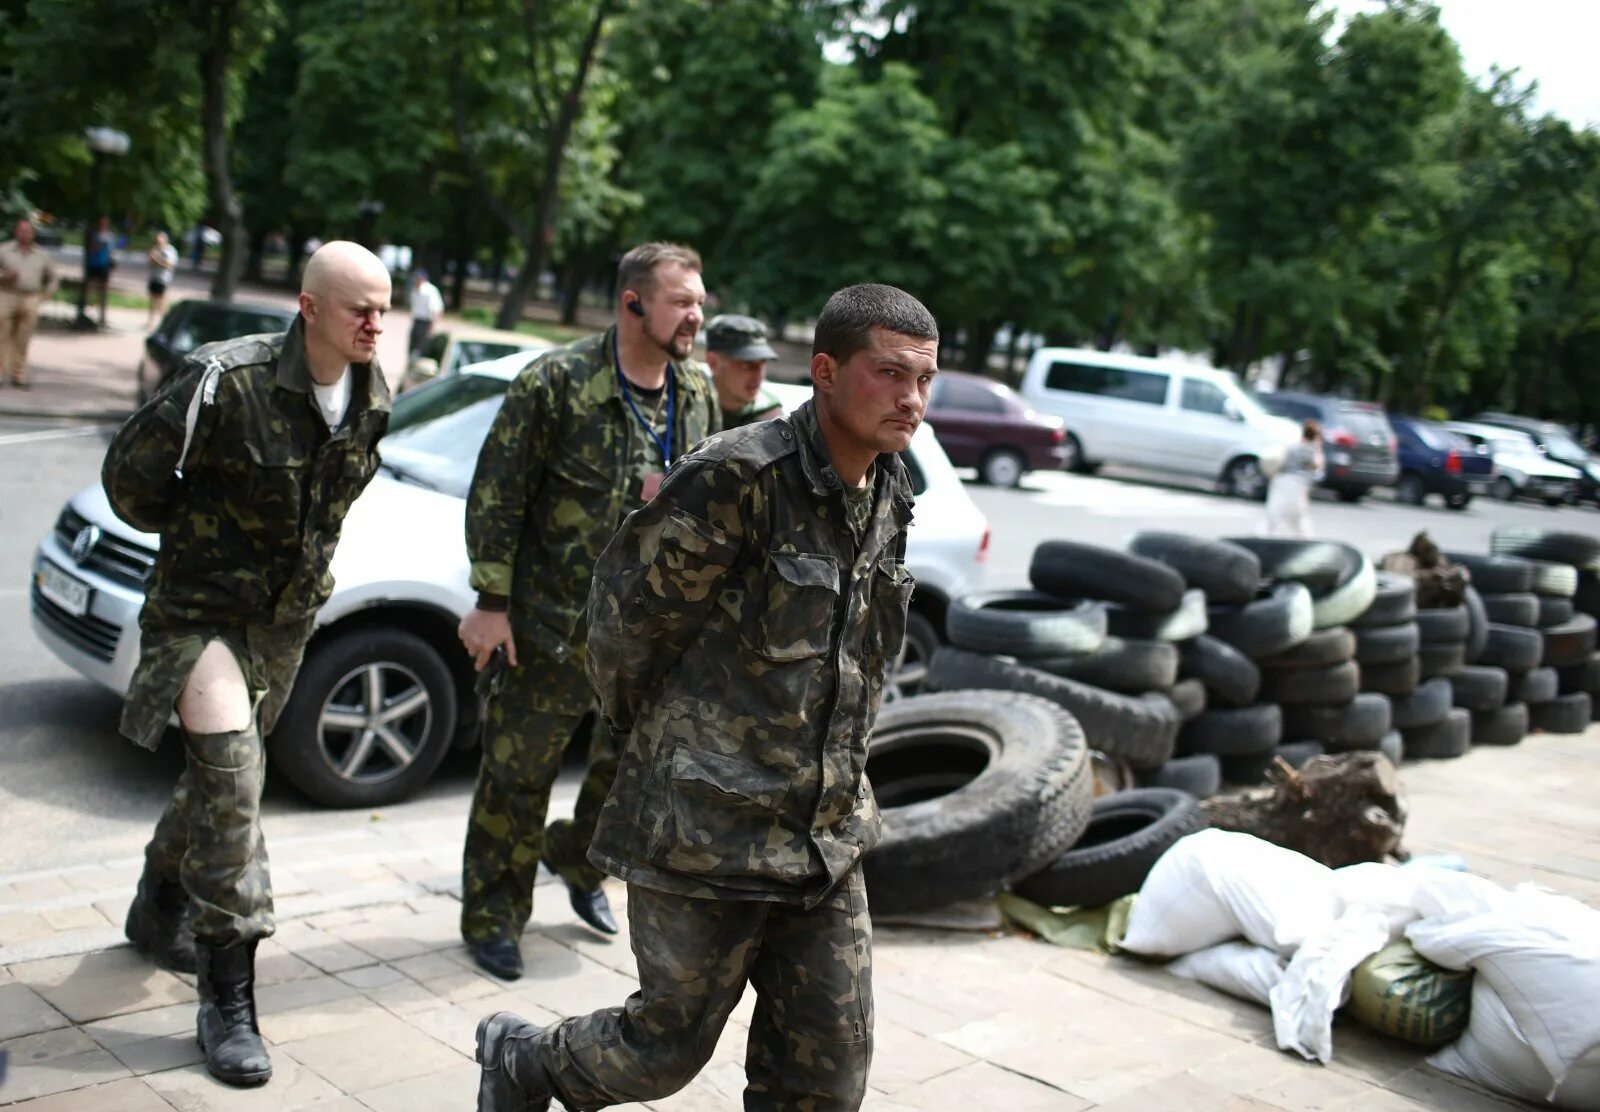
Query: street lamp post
x=103 y=141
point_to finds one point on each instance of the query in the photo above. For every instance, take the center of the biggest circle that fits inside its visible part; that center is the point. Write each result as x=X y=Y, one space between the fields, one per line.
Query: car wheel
x=1410 y=490
x=911 y=666
x=370 y=718
x=1503 y=489
x=1458 y=501
x=1352 y=494
x=1073 y=459
x=1002 y=468
x=1243 y=478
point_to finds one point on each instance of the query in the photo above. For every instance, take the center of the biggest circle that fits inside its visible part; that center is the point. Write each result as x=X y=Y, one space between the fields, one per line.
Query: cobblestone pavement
x=369 y=1000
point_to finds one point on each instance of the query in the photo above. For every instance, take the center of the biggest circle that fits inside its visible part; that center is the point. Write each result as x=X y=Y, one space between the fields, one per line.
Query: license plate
x=72 y=595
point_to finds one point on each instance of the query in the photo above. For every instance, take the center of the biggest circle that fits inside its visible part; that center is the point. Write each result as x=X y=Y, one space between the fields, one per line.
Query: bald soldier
x=245 y=462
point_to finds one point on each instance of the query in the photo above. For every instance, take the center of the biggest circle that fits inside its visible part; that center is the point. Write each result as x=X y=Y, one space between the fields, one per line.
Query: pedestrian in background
x=163 y=264
x=246 y=462
x=1289 y=493
x=98 y=262
x=583 y=439
x=737 y=350
x=27 y=279
x=427 y=306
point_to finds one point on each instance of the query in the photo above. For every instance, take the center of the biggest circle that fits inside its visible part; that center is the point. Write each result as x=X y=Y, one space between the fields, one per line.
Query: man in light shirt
x=27 y=279
x=427 y=306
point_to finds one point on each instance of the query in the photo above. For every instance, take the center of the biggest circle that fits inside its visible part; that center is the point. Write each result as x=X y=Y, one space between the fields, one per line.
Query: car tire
x=1139 y=729
x=1072 y=457
x=1411 y=490
x=1554 y=580
x=1392 y=679
x=1477 y=623
x=1387 y=644
x=1127 y=833
x=1447 y=738
x=1580 y=550
x=1499 y=575
x=1565 y=714
x=1458 y=502
x=1346 y=602
x=1513 y=648
x=1234 y=731
x=1393 y=602
x=1003 y=468
x=1320 y=565
x=1244 y=478
x=1226 y=572
x=1583 y=675
x=1274 y=623
x=1571 y=642
x=1322 y=649
x=1230 y=677
x=1296 y=753
x=1068 y=569
x=1503 y=489
x=1357 y=724
x=1025 y=623
x=1537 y=686
x=1442 y=660
x=1505 y=725
x=1199 y=774
x=1336 y=683
x=1188 y=621
x=1352 y=494
x=1127 y=667
x=1479 y=687
x=359 y=667
x=911 y=664
x=1393 y=746
x=1189 y=699
x=975 y=786
x=1554 y=611
x=1447 y=625
x=1516 y=608
x=1425 y=706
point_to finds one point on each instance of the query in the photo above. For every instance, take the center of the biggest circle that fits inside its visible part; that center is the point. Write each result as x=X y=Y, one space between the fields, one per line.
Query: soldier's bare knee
x=215 y=699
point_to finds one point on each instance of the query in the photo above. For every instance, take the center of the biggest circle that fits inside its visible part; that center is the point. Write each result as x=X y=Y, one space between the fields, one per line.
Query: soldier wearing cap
x=737 y=349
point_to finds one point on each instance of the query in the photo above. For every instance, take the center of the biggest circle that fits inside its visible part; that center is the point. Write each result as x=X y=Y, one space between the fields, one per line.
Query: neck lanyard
x=663 y=444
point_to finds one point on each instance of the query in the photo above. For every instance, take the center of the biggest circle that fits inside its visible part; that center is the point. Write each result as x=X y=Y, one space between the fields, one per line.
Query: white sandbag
x=1237 y=968
x=1388 y=889
x=1445 y=892
x=1219 y=884
x=1317 y=981
x=1493 y=1052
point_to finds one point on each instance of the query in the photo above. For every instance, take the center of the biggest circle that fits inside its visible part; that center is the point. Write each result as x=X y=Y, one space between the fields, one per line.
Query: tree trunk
x=1338 y=809
x=525 y=283
x=258 y=250
x=215 y=57
x=294 y=256
x=573 y=283
x=980 y=342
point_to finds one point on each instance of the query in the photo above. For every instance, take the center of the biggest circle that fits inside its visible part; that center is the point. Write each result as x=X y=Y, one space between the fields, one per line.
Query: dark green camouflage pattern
x=765 y=407
x=810 y=1045
x=566 y=841
x=738 y=638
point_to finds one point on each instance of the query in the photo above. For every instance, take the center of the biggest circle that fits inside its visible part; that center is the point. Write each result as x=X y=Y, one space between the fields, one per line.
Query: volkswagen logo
x=84 y=542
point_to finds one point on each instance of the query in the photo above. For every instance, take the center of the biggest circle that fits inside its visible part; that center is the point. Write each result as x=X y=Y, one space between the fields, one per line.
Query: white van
x=1158 y=414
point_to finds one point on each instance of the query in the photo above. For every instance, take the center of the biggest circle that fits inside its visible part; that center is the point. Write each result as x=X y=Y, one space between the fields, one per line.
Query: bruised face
x=347 y=316
x=674 y=309
x=876 y=398
x=738 y=381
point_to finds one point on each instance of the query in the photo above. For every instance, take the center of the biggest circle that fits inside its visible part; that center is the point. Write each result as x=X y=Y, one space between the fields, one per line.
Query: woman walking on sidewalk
x=1289 y=495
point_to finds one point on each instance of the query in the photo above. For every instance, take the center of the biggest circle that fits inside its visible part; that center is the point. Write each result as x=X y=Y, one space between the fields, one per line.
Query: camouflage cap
x=738 y=337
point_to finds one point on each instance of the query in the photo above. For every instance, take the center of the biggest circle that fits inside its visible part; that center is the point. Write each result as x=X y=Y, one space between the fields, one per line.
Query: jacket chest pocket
x=892 y=585
x=275 y=487
x=802 y=598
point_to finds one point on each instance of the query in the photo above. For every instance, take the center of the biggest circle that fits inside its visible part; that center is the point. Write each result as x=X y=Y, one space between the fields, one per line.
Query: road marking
x=51 y=434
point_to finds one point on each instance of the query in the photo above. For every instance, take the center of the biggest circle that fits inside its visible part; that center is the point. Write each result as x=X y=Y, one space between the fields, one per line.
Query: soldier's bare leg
x=216 y=699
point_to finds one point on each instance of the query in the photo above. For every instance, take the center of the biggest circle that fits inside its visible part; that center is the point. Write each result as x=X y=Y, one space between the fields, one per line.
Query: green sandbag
x=1399 y=993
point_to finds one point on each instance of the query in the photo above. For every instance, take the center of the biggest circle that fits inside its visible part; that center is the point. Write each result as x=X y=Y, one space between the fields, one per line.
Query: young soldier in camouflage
x=246 y=462
x=737 y=350
x=584 y=436
x=739 y=629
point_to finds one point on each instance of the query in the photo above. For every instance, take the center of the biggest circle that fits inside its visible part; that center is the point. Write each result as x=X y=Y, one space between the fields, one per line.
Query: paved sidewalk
x=370 y=1002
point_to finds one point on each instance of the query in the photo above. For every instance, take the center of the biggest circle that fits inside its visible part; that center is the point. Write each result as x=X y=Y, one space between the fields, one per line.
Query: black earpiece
x=635 y=308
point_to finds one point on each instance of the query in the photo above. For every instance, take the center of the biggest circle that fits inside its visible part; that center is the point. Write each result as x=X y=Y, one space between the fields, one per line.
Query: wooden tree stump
x=1439 y=582
x=1337 y=809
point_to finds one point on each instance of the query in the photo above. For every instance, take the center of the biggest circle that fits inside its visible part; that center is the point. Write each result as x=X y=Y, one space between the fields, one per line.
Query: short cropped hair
x=637 y=270
x=847 y=320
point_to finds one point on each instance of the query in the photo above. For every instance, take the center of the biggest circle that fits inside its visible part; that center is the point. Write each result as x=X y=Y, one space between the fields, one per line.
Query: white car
x=385 y=689
x=1522 y=470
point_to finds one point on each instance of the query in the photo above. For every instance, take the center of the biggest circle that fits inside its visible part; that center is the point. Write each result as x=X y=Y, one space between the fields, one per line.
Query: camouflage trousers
x=209 y=837
x=810 y=1044
x=531 y=720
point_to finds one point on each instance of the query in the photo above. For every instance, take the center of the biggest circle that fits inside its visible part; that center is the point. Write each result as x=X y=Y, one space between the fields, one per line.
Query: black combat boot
x=160 y=923
x=512 y=1079
x=227 y=1024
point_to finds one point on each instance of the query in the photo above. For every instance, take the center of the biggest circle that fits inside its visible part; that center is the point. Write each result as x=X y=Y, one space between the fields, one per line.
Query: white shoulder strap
x=204 y=394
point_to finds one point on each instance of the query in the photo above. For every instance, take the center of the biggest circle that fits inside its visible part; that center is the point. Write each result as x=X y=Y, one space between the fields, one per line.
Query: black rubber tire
x=1273 y=623
x=1520 y=608
x=1234 y=731
x=1442 y=660
x=1446 y=625
x=1479 y=687
x=1189 y=699
x=1588 y=596
x=1555 y=580
x=910 y=665
x=1565 y=714
x=1477 y=624
x=1130 y=667
x=1344 y=604
x=1505 y=725
x=1498 y=575
x=1425 y=706
x=1188 y=620
x=1358 y=724
x=1513 y=648
x=1002 y=467
x=1387 y=644
x=1554 y=611
x=1582 y=676
x=1449 y=737
x=1337 y=683
x=1572 y=642
x=1139 y=729
x=1246 y=772
x=1225 y=572
x=1538 y=686
x=295 y=747
x=1393 y=746
x=1068 y=569
x=1323 y=649
x=1127 y=833
x=1320 y=565
x=1199 y=774
x=1297 y=753
x=1392 y=679
x=1010 y=786
x=1410 y=490
x=1394 y=603
x=1025 y=623
x=1230 y=677
x=1580 y=550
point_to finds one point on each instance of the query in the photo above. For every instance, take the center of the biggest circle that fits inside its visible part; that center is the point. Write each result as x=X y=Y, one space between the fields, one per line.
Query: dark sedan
x=987 y=425
x=1434 y=460
x=189 y=324
x=1358 y=444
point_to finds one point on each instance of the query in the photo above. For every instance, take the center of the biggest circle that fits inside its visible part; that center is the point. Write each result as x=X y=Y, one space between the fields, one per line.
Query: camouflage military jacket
x=765 y=407
x=248 y=532
x=553 y=483
x=739 y=635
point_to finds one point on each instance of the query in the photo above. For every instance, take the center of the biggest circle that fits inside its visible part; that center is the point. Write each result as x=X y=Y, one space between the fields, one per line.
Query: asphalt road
x=72 y=791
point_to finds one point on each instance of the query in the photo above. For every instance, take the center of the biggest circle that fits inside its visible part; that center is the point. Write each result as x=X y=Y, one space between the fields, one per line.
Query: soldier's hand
x=483 y=631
